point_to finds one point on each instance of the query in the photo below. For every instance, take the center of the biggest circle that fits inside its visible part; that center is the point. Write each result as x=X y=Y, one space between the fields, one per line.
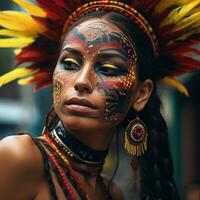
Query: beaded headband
x=115 y=6
x=172 y=27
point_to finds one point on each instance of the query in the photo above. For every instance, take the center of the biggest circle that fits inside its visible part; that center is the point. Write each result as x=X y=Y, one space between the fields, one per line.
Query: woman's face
x=95 y=76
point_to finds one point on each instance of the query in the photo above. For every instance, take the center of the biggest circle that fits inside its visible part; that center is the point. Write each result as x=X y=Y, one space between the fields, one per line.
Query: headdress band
x=119 y=7
x=172 y=28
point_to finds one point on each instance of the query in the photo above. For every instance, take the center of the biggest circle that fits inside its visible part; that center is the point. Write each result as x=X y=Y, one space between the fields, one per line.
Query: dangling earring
x=136 y=137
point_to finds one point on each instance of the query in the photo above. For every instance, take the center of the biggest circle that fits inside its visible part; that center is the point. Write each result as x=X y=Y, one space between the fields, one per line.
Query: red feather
x=42 y=78
x=45 y=82
x=54 y=28
x=68 y=6
x=42 y=53
x=178 y=45
x=188 y=64
x=32 y=55
x=143 y=5
x=184 y=50
x=54 y=12
x=38 y=52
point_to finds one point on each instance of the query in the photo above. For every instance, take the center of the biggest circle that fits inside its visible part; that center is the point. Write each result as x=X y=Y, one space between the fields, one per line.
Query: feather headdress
x=173 y=27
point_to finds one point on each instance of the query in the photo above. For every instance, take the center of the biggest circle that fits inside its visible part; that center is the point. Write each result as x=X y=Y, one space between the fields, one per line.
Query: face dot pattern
x=57 y=86
x=116 y=97
x=128 y=80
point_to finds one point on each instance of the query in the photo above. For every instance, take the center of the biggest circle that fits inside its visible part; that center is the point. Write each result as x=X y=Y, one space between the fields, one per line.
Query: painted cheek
x=61 y=80
x=65 y=76
x=117 y=99
x=110 y=84
x=129 y=80
x=57 y=90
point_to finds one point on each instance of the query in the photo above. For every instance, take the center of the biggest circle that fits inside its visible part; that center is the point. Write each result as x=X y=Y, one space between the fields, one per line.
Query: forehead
x=99 y=26
x=93 y=32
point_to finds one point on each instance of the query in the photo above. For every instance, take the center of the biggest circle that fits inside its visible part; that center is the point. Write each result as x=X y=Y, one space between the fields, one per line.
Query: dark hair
x=156 y=167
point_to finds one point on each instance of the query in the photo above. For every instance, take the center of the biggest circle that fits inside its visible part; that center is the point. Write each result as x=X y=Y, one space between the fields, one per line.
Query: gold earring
x=136 y=137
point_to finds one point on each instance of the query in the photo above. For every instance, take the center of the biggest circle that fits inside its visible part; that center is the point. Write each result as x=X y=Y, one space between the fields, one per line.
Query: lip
x=80 y=104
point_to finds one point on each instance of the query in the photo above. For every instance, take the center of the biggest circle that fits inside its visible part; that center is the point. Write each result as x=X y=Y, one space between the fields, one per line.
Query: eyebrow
x=115 y=52
x=73 y=51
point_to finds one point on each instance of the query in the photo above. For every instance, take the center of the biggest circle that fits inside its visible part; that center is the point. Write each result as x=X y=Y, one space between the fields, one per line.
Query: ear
x=142 y=95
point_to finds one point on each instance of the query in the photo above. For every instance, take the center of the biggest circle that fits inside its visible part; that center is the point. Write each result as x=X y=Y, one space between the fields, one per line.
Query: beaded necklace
x=80 y=152
x=64 y=171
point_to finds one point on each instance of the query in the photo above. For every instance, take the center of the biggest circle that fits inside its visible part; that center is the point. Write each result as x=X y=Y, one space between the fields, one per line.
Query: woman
x=104 y=79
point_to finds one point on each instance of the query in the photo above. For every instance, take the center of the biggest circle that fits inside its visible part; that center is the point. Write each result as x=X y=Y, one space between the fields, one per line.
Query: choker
x=76 y=149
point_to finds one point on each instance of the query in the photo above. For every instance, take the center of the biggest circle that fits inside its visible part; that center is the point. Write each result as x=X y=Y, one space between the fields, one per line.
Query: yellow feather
x=188 y=33
x=195 y=10
x=177 y=14
x=24 y=81
x=17 y=51
x=31 y=8
x=176 y=84
x=19 y=21
x=190 y=22
x=15 y=42
x=164 y=4
x=14 y=74
x=10 y=33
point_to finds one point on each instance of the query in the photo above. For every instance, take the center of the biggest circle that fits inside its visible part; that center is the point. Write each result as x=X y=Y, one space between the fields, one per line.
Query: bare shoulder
x=115 y=191
x=15 y=144
x=20 y=164
x=19 y=150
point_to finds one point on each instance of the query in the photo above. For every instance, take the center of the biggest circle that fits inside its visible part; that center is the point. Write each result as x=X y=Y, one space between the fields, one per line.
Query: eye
x=109 y=66
x=110 y=70
x=70 y=64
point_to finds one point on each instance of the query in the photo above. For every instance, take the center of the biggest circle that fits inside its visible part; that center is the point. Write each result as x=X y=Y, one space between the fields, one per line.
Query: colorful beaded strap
x=114 y=6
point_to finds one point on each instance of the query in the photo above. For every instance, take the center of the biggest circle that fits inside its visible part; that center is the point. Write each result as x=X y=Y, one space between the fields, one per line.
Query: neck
x=97 y=140
x=72 y=145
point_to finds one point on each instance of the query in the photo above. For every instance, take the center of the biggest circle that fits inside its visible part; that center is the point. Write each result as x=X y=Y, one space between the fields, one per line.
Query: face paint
x=57 y=87
x=95 y=35
x=117 y=99
x=110 y=60
x=120 y=91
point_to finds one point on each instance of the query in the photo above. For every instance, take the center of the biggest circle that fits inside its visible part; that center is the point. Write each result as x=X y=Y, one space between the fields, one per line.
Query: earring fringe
x=135 y=149
x=136 y=138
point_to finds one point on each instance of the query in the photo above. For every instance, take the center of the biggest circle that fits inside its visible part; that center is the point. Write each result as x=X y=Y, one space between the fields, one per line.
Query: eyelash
x=70 y=64
x=110 y=70
x=105 y=69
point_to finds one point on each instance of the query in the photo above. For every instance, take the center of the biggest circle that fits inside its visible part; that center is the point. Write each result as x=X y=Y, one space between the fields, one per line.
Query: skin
x=97 y=62
x=94 y=64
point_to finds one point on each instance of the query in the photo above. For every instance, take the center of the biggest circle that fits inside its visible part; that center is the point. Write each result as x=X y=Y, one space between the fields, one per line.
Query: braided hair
x=156 y=180
x=156 y=167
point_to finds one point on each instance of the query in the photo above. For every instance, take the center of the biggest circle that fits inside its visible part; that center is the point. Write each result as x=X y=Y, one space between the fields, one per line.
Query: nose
x=84 y=82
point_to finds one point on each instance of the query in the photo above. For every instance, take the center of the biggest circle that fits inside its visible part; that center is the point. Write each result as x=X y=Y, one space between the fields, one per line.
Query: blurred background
x=23 y=110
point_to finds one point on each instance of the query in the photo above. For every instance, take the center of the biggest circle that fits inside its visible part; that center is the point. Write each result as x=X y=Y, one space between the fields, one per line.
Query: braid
x=47 y=172
x=51 y=120
x=157 y=180
x=154 y=177
x=66 y=170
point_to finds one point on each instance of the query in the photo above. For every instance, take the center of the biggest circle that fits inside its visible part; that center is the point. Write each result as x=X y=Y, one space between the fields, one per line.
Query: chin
x=80 y=123
x=86 y=123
